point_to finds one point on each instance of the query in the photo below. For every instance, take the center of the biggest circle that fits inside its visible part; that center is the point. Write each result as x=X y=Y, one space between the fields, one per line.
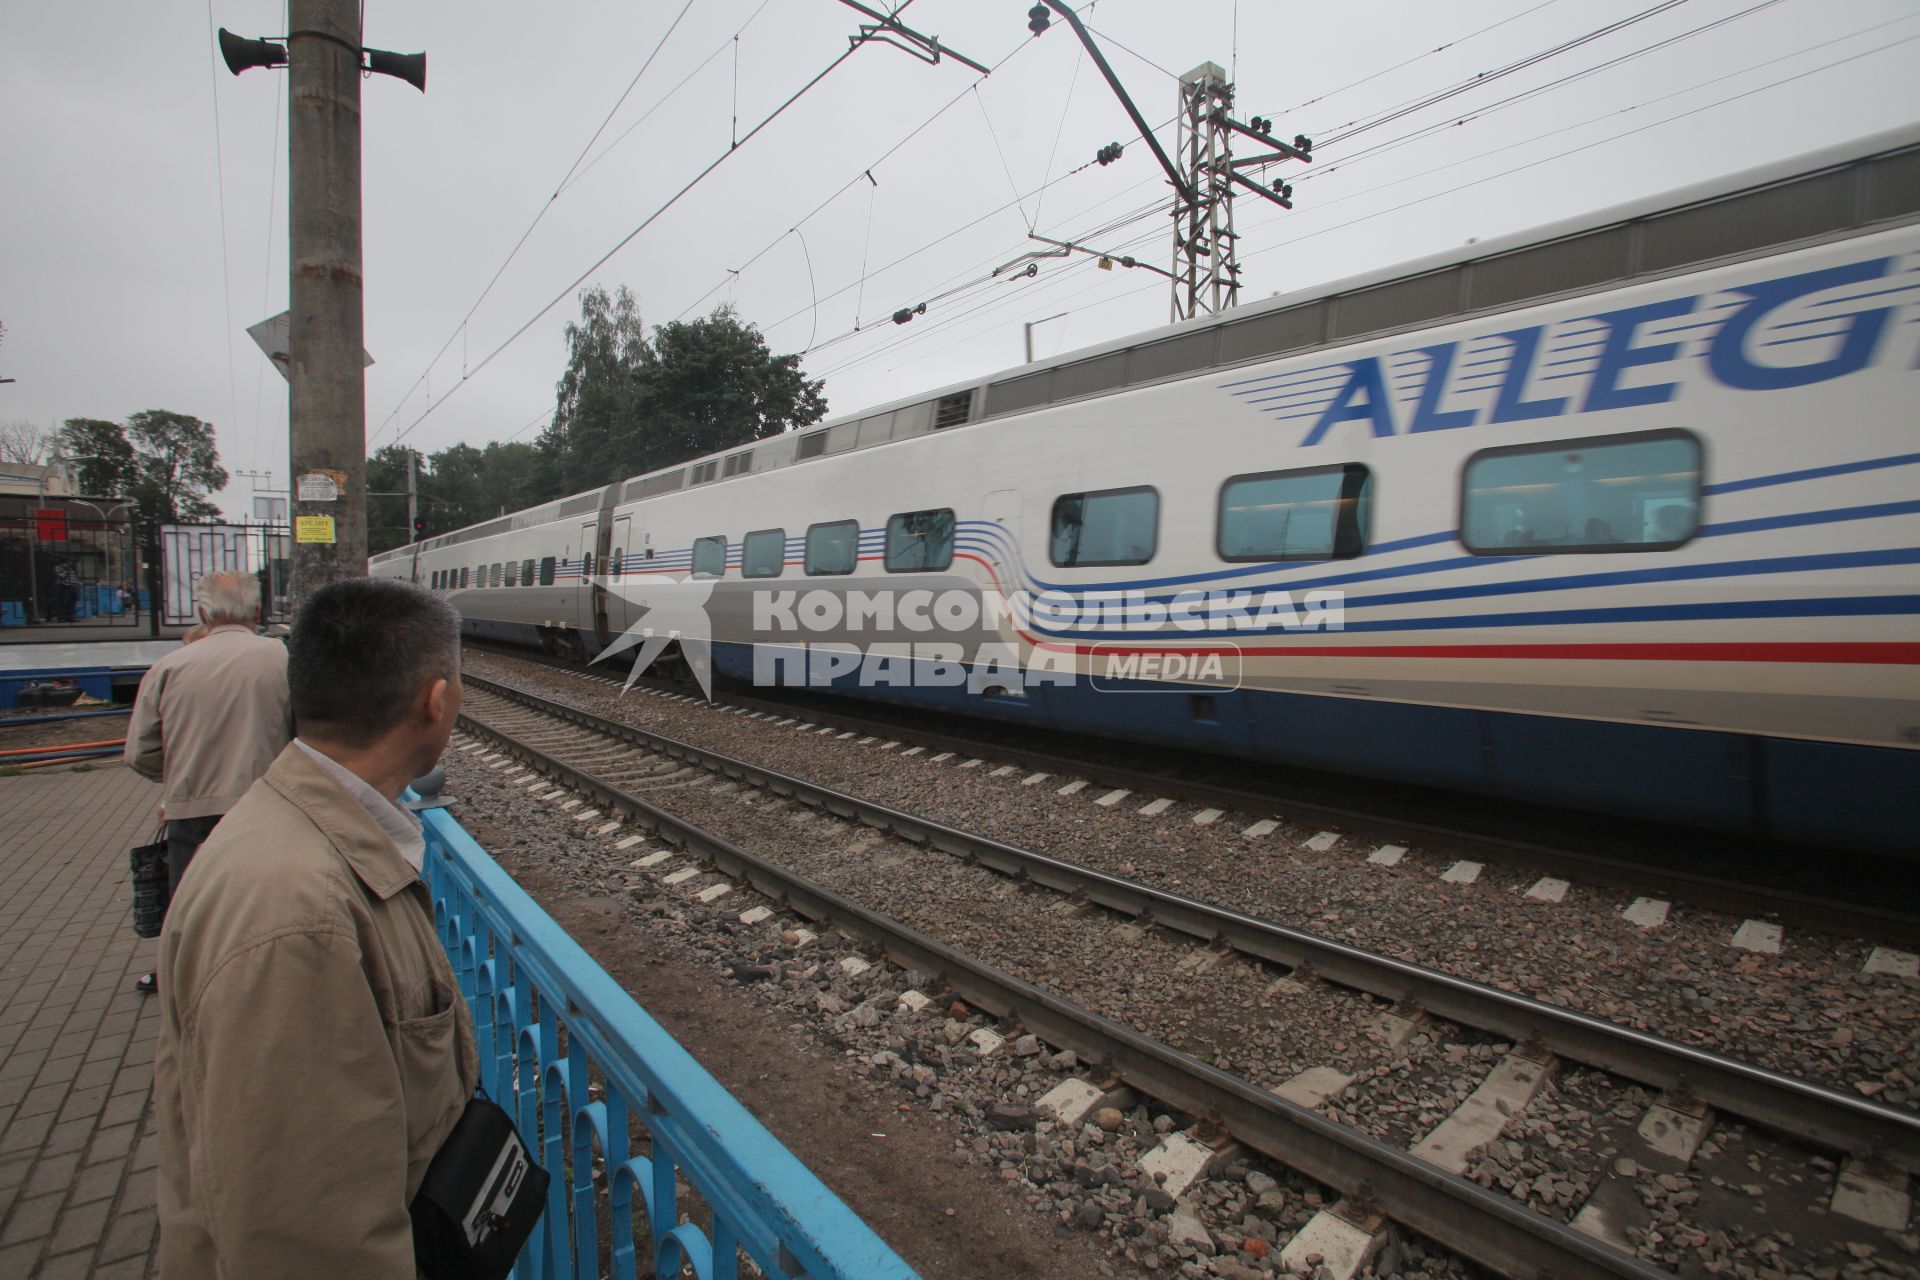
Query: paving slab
x=1387 y=855
x=68 y=959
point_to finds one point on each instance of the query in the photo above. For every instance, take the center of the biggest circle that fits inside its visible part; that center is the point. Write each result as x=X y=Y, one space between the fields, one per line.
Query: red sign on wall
x=50 y=523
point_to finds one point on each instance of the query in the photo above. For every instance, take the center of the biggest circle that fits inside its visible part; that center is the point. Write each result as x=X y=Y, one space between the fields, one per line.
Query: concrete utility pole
x=328 y=412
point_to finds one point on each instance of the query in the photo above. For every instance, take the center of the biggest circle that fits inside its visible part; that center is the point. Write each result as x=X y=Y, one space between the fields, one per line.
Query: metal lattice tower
x=1206 y=269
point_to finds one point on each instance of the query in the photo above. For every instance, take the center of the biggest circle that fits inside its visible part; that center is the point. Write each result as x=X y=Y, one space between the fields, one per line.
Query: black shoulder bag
x=480 y=1200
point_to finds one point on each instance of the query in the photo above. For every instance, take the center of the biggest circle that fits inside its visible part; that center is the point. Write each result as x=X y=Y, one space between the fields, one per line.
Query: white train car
x=1620 y=514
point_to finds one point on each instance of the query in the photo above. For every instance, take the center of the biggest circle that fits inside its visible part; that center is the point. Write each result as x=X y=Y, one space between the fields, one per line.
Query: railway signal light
x=1108 y=154
x=1038 y=19
x=419 y=526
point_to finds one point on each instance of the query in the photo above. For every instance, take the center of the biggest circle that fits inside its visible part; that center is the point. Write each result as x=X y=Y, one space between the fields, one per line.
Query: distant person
x=129 y=602
x=209 y=718
x=314 y=1048
x=67 y=588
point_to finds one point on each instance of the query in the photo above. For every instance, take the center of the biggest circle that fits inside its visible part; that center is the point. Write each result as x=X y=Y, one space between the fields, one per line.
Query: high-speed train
x=1620 y=514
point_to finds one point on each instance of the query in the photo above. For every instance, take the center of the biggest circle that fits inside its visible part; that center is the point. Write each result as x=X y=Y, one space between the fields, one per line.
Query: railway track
x=620 y=768
x=1738 y=894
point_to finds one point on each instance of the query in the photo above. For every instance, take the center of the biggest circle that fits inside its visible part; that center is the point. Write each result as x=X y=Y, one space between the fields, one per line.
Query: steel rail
x=1811 y=1112
x=1487 y=1227
x=1712 y=893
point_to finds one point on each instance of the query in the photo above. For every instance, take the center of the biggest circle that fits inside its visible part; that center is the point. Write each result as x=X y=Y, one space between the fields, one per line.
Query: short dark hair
x=359 y=652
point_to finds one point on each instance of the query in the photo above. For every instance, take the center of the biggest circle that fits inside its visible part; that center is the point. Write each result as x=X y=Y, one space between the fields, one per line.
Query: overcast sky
x=137 y=250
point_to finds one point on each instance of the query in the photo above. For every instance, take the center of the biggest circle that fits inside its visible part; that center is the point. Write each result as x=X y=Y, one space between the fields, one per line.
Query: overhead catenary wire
x=627 y=239
x=1525 y=95
x=1404 y=108
x=839 y=370
x=220 y=194
x=1160 y=207
x=1353 y=128
x=865 y=172
x=266 y=272
x=460 y=329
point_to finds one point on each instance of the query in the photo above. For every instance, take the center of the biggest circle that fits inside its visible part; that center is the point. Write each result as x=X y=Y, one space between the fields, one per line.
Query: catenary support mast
x=1205 y=265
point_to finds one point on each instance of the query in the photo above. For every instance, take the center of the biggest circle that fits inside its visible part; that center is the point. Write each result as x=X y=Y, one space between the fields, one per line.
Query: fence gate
x=187 y=551
x=65 y=560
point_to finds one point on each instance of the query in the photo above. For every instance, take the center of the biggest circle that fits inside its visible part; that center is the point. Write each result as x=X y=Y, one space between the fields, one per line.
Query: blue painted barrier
x=576 y=1061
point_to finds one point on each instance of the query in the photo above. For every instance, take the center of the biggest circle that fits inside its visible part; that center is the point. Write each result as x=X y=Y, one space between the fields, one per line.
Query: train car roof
x=1835 y=190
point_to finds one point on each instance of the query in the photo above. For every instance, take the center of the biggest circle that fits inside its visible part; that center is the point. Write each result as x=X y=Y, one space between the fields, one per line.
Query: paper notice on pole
x=313 y=529
x=318 y=486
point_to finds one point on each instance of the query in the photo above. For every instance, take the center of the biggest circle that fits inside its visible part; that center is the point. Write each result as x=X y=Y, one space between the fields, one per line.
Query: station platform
x=77 y=1147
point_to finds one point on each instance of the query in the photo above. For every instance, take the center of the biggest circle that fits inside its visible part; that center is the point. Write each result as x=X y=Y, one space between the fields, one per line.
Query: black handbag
x=480 y=1199
x=149 y=863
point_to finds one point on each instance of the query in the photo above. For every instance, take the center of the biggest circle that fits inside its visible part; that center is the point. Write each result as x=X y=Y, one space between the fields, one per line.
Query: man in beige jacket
x=210 y=717
x=314 y=1049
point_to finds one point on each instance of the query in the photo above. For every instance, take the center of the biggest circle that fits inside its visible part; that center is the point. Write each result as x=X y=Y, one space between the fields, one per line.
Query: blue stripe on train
x=1822 y=792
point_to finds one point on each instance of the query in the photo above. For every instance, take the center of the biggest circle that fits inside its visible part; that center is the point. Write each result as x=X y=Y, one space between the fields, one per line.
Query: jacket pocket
x=426 y=1051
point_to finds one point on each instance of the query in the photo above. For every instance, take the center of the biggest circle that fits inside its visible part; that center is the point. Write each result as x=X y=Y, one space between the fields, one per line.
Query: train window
x=513 y=574
x=1320 y=513
x=833 y=547
x=586 y=564
x=763 y=554
x=1637 y=492
x=546 y=571
x=920 y=540
x=1112 y=526
x=710 y=557
x=463 y=577
x=619 y=561
x=526 y=573
x=493 y=576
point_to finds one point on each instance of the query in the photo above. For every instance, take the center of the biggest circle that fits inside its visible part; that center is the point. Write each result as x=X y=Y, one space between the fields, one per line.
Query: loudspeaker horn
x=411 y=67
x=243 y=54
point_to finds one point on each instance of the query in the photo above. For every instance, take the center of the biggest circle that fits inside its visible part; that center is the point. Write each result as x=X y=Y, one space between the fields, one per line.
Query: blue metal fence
x=577 y=1061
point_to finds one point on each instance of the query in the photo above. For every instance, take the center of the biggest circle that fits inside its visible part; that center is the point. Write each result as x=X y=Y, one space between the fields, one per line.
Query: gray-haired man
x=314 y=1049
x=210 y=717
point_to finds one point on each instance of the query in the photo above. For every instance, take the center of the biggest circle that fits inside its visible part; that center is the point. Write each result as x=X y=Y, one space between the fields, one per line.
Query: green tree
x=458 y=486
x=167 y=462
x=598 y=396
x=715 y=385
x=625 y=405
x=104 y=453
x=177 y=466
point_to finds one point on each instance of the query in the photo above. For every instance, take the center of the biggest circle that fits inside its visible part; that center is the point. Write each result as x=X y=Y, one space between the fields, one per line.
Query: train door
x=595 y=541
x=619 y=611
